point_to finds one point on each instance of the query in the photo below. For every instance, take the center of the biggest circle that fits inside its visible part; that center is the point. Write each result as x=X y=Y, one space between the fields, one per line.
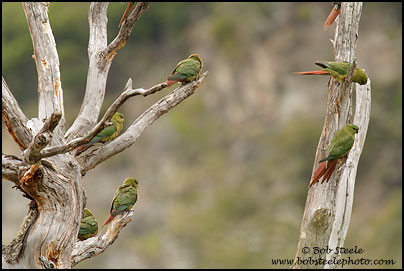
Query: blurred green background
x=224 y=175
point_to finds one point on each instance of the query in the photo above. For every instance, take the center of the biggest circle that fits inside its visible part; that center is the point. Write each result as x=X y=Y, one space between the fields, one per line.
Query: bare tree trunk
x=328 y=207
x=48 y=174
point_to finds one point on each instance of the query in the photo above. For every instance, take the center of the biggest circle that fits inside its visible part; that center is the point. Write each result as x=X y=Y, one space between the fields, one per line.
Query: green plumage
x=187 y=70
x=342 y=142
x=125 y=197
x=111 y=132
x=107 y=134
x=88 y=225
x=338 y=70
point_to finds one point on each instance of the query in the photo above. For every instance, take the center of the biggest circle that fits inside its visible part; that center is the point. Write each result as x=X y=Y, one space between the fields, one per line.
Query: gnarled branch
x=91 y=160
x=126 y=29
x=47 y=62
x=128 y=92
x=42 y=139
x=12 y=167
x=93 y=246
x=97 y=71
x=12 y=251
x=100 y=56
x=49 y=233
x=14 y=119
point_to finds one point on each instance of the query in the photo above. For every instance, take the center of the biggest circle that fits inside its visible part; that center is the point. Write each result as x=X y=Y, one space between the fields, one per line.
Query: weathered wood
x=90 y=160
x=96 y=245
x=345 y=188
x=14 y=119
x=97 y=71
x=328 y=206
x=50 y=92
x=126 y=29
x=42 y=139
x=48 y=236
x=12 y=168
x=100 y=56
x=12 y=251
x=60 y=199
x=128 y=92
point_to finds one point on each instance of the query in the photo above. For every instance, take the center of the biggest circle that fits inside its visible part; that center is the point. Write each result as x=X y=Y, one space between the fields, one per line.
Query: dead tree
x=328 y=206
x=47 y=172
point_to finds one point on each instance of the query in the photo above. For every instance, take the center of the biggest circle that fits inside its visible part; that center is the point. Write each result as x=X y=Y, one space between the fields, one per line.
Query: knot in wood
x=321 y=218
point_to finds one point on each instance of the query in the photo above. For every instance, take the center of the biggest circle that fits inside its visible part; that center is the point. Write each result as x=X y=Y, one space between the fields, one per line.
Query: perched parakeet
x=186 y=70
x=125 y=197
x=88 y=225
x=126 y=13
x=336 y=10
x=340 y=146
x=107 y=134
x=338 y=70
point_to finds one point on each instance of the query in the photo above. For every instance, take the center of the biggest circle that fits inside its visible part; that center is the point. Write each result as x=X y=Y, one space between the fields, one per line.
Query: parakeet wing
x=88 y=225
x=185 y=68
x=339 y=67
x=341 y=143
x=106 y=132
x=124 y=200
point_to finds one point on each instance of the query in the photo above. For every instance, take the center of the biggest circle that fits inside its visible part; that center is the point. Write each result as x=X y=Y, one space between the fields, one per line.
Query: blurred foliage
x=223 y=176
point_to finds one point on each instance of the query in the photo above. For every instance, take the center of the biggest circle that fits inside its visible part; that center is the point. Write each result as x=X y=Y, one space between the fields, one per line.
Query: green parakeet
x=88 y=225
x=338 y=70
x=186 y=70
x=340 y=146
x=107 y=134
x=336 y=10
x=125 y=197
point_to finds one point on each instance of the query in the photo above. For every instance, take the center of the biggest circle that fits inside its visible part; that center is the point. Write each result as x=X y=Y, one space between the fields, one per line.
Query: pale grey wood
x=126 y=29
x=345 y=189
x=50 y=92
x=12 y=251
x=89 y=160
x=128 y=92
x=100 y=57
x=12 y=167
x=97 y=71
x=60 y=198
x=328 y=206
x=48 y=234
x=96 y=245
x=14 y=118
x=42 y=139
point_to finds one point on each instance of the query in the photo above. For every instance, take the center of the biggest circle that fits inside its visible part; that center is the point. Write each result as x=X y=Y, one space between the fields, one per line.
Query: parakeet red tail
x=170 y=82
x=331 y=165
x=314 y=72
x=331 y=17
x=109 y=219
x=325 y=170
